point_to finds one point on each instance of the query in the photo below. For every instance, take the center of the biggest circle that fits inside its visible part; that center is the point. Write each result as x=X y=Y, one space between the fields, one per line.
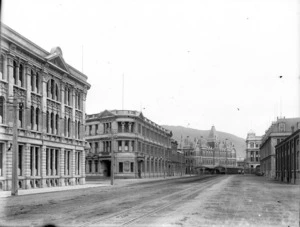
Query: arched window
x=52 y=88
x=1 y=110
x=32 y=117
x=47 y=123
x=37 y=82
x=21 y=81
x=66 y=95
x=37 y=113
x=15 y=73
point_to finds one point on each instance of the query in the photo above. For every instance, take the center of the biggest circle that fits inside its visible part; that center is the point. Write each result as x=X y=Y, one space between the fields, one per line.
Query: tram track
x=142 y=211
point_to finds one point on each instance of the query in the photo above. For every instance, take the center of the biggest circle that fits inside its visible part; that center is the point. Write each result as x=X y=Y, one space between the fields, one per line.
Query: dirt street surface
x=235 y=200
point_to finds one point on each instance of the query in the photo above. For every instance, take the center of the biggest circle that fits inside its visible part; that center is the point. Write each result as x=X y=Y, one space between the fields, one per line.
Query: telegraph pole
x=112 y=162
x=14 y=186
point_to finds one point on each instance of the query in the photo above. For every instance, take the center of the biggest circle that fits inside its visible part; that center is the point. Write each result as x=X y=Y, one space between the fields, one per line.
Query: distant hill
x=178 y=131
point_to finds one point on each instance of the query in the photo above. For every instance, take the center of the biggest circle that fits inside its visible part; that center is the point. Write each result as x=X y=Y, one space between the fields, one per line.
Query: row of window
x=52 y=161
x=128 y=127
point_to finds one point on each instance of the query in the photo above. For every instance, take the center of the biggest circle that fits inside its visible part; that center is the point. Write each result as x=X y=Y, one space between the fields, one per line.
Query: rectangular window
x=126 y=145
x=96 y=147
x=37 y=172
x=119 y=145
x=131 y=167
x=90 y=130
x=96 y=129
x=120 y=167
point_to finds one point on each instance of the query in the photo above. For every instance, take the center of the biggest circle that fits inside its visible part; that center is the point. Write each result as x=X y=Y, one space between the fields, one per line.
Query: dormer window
x=281 y=127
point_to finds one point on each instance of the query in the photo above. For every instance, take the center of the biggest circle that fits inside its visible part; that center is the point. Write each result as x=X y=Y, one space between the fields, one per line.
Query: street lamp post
x=112 y=163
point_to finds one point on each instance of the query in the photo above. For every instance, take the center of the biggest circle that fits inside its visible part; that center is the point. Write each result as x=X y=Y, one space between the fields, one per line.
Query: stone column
x=73 y=167
x=123 y=143
x=45 y=78
x=26 y=165
x=43 y=166
x=73 y=114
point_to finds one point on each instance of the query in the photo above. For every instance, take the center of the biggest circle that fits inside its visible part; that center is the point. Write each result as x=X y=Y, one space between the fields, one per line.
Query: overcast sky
x=189 y=63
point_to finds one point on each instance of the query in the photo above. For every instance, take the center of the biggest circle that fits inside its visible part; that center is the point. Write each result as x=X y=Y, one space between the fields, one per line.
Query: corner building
x=141 y=147
x=253 y=143
x=50 y=115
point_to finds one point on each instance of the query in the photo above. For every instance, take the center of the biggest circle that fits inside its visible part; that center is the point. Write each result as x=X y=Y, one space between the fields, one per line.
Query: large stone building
x=277 y=132
x=252 y=152
x=50 y=97
x=141 y=147
x=288 y=158
x=209 y=155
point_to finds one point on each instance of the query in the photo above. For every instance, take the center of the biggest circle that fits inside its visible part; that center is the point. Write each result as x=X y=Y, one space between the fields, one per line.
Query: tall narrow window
x=47 y=123
x=20 y=118
x=69 y=127
x=52 y=123
x=32 y=117
x=1 y=110
x=57 y=123
x=31 y=161
x=37 y=172
x=78 y=130
x=1 y=70
x=37 y=114
x=15 y=76
x=21 y=81
x=65 y=126
x=20 y=160
x=69 y=97
x=32 y=83
x=37 y=84
x=56 y=92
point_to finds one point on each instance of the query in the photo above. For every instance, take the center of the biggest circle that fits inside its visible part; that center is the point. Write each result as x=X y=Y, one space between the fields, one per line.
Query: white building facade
x=50 y=97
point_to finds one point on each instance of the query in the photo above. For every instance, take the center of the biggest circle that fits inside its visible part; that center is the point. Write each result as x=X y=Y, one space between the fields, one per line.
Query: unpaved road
x=192 y=201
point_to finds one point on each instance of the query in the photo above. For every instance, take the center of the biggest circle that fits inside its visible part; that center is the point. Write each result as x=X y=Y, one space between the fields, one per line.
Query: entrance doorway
x=106 y=168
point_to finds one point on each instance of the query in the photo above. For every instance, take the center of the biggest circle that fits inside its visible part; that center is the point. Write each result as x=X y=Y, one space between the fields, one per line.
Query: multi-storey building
x=50 y=98
x=176 y=166
x=141 y=147
x=277 y=132
x=209 y=155
x=252 y=152
x=288 y=158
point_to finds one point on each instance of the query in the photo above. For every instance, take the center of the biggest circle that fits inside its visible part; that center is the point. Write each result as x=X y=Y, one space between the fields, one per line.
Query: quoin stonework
x=141 y=147
x=51 y=114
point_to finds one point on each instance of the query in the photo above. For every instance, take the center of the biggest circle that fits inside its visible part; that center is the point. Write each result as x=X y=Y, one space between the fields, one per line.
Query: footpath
x=90 y=183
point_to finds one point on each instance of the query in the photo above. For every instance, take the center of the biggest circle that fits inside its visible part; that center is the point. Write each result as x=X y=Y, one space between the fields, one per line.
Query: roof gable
x=106 y=113
x=55 y=58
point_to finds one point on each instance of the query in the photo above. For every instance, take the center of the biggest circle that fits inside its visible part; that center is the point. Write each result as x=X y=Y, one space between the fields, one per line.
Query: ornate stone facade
x=50 y=139
x=141 y=147
x=209 y=155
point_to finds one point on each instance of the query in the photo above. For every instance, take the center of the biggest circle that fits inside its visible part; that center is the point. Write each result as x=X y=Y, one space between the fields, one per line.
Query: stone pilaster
x=43 y=165
x=72 y=167
x=4 y=76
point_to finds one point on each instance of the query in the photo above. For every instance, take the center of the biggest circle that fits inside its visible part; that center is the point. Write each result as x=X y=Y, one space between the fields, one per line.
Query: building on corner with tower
x=50 y=117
